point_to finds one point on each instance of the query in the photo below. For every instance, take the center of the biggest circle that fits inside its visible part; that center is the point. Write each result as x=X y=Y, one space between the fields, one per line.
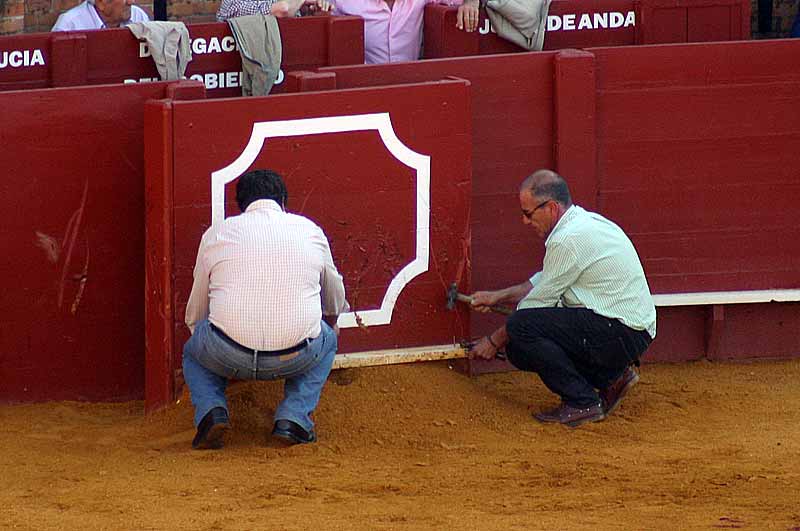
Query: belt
x=222 y=335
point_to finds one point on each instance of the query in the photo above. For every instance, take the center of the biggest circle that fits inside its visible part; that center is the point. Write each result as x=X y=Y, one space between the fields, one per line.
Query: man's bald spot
x=547 y=184
x=538 y=179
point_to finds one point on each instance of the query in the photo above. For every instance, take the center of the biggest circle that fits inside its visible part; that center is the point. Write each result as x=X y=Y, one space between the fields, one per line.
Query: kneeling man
x=262 y=283
x=583 y=321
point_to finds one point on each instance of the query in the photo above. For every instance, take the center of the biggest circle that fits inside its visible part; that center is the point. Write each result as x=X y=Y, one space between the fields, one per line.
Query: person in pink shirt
x=393 y=28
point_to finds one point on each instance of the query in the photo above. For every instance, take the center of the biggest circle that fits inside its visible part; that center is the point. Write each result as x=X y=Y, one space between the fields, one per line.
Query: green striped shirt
x=589 y=262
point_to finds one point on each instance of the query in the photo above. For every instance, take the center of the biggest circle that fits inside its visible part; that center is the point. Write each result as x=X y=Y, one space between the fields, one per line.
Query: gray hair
x=547 y=184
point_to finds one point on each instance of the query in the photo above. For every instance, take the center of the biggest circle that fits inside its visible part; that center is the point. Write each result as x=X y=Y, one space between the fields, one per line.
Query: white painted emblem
x=379 y=122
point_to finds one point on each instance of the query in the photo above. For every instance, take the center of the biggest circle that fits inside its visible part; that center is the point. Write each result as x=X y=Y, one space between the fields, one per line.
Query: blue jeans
x=209 y=362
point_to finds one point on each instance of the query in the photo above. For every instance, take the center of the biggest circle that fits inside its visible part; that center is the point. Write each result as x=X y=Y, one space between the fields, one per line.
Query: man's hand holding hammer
x=484 y=301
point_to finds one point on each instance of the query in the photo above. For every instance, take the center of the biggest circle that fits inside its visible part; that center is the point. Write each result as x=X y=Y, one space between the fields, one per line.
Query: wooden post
x=575 y=131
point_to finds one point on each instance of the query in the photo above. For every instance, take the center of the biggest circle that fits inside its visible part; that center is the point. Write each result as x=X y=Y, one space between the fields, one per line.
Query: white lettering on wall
x=591 y=21
x=200 y=46
x=487 y=27
x=21 y=58
x=212 y=80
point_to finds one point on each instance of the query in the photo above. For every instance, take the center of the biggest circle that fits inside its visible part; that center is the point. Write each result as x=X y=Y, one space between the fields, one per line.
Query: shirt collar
x=264 y=204
x=570 y=213
x=99 y=22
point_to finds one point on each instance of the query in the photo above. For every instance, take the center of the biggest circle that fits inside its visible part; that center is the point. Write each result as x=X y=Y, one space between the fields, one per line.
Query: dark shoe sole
x=633 y=381
x=545 y=419
x=291 y=438
x=577 y=422
x=214 y=439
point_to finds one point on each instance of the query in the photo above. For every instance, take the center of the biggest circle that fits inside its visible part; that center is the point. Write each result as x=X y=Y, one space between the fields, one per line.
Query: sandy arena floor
x=694 y=446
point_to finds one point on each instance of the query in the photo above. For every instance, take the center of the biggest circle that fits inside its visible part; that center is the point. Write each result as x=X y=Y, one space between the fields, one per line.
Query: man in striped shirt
x=263 y=306
x=583 y=321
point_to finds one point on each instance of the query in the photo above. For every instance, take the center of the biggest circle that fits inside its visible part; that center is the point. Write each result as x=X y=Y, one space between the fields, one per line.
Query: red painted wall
x=71 y=312
x=709 y=151
x=115 y=55
x=360 y=194
x=691 y=148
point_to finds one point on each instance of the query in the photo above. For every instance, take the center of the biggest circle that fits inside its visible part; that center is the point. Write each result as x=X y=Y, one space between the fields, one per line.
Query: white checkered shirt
x=239 y=8
x=265 y=277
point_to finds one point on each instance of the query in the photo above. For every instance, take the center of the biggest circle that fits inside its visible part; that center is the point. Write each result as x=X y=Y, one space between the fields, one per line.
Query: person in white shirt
x=264 y=305
x=100 y=14
x=585 y=319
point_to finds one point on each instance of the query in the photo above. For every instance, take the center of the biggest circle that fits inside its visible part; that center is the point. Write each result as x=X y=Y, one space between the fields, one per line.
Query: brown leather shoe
x=571 y=416
x=613 y=394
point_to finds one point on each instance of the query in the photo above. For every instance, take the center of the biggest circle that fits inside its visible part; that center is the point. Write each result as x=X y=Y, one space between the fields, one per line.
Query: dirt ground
x=694 y=446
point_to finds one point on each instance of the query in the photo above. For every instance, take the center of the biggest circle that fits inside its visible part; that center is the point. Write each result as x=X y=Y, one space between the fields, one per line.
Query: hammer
x=453 y=295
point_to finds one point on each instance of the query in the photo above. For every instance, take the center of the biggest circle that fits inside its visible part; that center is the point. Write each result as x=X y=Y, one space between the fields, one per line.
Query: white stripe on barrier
x=727 y=297
x=393 y=356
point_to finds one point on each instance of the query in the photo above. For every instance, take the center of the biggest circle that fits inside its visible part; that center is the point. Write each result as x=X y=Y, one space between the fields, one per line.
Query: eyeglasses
x=529 y=213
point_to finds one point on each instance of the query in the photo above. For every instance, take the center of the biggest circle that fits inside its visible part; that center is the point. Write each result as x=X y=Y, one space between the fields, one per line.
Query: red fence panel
x=705 y=142
x=116 y=56
x=672 y=21
x=592 y=23
x=71 y=313
x=691 y=148
x=385 y=172
x=512 y=132
x=25 y=61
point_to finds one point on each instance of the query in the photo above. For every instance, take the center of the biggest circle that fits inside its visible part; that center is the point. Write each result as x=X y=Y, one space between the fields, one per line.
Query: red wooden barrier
x=711 y=156
x=71 y=312
x=691 y=148
x=392 y=196
x=115 y=56
x=591 y=23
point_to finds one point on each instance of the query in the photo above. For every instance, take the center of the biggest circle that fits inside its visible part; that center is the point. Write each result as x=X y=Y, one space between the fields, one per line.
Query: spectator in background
x=393 y=28
x=100 y=14
x=796 y=26
x=278 y=8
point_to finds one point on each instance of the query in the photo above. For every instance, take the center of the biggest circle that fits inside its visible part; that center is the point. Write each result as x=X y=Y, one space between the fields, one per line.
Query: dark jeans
x=573 y=350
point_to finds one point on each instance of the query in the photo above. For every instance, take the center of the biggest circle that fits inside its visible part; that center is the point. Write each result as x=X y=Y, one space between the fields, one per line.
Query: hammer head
x=452 y=294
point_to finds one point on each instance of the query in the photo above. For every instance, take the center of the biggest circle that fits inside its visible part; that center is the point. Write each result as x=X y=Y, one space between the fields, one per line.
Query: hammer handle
x=497 y=308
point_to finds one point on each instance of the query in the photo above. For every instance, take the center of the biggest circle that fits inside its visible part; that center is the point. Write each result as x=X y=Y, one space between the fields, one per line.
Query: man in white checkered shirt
x=278 y=8
x=583 y=321
x=263 y=306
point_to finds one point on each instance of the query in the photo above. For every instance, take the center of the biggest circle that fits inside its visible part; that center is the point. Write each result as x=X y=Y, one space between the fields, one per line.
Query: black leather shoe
x=211 y=430
x=293 y=432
